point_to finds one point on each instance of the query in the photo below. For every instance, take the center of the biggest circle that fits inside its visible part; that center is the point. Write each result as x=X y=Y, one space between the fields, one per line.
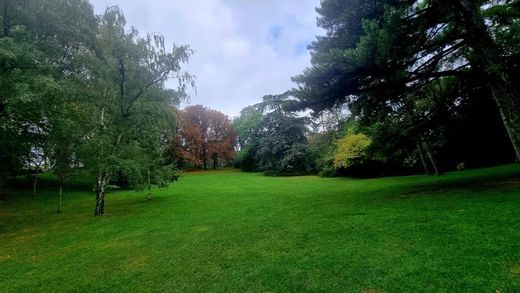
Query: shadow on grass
x=496 y=182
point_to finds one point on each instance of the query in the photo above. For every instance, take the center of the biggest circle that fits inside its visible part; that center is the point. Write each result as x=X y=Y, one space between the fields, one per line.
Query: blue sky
x=244 y=49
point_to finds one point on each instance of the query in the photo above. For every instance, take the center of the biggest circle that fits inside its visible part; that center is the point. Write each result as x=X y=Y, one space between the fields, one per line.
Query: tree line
x=398 y=87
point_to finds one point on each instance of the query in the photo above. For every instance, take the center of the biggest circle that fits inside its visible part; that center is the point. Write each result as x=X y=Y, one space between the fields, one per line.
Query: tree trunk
x=489 y=58
x=61 y=194
x=101 y=184
x=35 y=181
x=510 y=117
x=204 y=157
x=149 y=186
x=422 y=159
x=430 y=156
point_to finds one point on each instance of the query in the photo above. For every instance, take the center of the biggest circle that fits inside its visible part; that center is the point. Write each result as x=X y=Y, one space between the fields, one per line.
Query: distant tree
x=205 y=135
x=190 y=135
x=247 y=125
x=277 y=143
x=221 y=138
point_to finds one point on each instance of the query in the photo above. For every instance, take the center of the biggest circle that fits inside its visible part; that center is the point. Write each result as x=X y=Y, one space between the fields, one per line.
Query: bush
x=350 y=148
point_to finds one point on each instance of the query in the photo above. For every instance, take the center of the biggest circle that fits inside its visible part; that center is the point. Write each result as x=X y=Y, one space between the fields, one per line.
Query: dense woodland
x=394 y=87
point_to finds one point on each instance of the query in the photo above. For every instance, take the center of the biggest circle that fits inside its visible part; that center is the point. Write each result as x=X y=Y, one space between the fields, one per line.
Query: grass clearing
x=232 y=231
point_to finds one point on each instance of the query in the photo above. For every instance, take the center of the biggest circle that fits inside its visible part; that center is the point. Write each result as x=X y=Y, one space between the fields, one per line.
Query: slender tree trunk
x=204 y=158
x=510 y=117
x=101 y=185
x=422 y=159
x=430 y=157
x=149 y=186
x=35 y=181
x=61 y=194
x=487 y=56
x=122 y=81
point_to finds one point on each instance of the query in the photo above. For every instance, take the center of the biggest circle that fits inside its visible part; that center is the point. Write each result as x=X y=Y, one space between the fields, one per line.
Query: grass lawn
x=231 y=231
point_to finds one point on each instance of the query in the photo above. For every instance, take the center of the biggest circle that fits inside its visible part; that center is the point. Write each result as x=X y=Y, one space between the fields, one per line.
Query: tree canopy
x=86 y=94
x=203 y=136
x=273 y=139
x=413 y=62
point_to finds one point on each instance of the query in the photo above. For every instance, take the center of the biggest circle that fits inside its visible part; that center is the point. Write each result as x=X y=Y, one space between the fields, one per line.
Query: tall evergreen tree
x=381 y=56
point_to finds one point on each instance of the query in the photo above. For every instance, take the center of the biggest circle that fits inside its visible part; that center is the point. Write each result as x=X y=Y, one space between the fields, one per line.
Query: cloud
x=243 y=49
x=236 y=47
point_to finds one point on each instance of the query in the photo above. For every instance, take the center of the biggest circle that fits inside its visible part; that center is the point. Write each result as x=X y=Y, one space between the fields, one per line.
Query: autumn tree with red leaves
x=204 y=136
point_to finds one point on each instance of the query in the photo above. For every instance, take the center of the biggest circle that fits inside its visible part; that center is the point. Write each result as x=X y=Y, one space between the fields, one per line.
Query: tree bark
x=422 y=159
x=215 y=161
x=149 y=186
x=430 y=156
x=489 y=58
x=101 y=185
x=35 y=181
x=61 y=194
x=204 y=159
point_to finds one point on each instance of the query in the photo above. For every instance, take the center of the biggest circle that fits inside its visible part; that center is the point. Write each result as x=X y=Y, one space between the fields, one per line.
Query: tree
x=221 y=138
x=351 y=147
x=277 y=143
x=380 y=57
x=127 y=84
x=248 y=130
x=86 y=94
x=66 y=132
x=155 y=168
x=35 y=62
x=205 y=135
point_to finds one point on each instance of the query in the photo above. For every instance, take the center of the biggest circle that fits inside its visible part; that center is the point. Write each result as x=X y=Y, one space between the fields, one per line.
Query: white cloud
x=243 y=49
x=236 y=47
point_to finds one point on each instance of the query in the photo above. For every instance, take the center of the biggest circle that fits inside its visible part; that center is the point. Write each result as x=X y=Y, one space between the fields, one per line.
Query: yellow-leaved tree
x=351 y=146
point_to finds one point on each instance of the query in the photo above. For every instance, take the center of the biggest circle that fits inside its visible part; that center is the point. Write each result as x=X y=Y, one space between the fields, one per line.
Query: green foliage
x=38 y=65
x=134 y=112
x=248 y=130
x=272 y=139
x=351 y=147
x=86 y=95
x=407 y=65
x=322 y=146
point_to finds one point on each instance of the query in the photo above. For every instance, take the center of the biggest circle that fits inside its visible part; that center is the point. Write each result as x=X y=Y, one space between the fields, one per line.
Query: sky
x=244 y=49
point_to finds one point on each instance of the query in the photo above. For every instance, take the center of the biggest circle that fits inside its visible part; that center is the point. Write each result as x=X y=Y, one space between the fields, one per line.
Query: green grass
x=230 y=231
